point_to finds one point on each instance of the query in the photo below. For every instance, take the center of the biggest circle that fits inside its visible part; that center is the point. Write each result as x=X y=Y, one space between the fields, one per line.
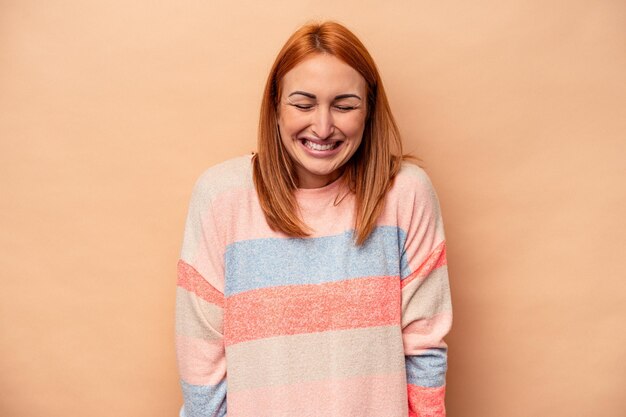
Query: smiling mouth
x=317 y=147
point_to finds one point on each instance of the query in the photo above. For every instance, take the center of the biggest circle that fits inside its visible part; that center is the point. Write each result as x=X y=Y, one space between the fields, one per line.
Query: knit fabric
x=274 y=326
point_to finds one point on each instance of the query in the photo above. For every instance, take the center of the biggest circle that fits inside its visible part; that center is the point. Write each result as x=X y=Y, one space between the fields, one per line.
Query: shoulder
x=412 y=179
x=412 y=191
x=412 y=199
x=232 y=174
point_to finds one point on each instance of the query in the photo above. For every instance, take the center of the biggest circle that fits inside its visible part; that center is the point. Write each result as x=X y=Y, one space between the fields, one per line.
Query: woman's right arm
x=200 y=302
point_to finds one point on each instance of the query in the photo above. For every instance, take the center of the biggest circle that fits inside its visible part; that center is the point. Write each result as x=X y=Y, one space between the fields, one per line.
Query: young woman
x=312 y=279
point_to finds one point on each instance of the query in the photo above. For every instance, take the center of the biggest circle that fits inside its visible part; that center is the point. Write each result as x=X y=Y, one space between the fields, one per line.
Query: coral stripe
x=294 y=309
x=436 y=259
x=191 y=280
x=426 y=402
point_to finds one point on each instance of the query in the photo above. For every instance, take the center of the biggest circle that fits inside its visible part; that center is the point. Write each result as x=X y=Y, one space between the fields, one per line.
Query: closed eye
x=346 y=108
x=302 y=106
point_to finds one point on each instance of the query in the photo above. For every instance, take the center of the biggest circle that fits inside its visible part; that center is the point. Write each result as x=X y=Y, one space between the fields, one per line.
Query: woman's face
x=321 y=117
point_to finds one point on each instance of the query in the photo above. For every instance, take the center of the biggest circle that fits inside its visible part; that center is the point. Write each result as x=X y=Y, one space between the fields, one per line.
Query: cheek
x=290 y=122
x=353 y=125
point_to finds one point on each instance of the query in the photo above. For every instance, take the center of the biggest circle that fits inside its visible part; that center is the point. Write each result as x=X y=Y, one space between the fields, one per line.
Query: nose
x=323 y=125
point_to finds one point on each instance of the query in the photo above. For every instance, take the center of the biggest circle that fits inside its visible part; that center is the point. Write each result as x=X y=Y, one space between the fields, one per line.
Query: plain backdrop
x=109 y=111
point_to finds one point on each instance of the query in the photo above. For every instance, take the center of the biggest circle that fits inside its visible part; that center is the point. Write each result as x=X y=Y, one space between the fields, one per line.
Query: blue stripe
x=203 y=400
x=261 y=263
x=427 y=369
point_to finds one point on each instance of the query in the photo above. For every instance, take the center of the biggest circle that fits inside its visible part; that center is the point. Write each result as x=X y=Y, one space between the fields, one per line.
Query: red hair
x=371 y=170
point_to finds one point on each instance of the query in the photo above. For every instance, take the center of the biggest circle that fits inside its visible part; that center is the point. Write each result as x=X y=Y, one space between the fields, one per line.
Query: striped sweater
x=273 y=326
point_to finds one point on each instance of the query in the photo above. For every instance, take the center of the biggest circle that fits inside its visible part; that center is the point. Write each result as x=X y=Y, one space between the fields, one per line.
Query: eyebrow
x=309 y=95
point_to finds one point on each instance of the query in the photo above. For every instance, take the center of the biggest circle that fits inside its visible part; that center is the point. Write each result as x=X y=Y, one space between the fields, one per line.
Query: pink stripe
x=408 y=193
x=436 y=259
x=200 y=362
x=191 y=280
x=400 y=211
x=239 y=213
x=426 y=333
x=426 y=402
x=237 y=227
x=364 y=396
x=294 y=309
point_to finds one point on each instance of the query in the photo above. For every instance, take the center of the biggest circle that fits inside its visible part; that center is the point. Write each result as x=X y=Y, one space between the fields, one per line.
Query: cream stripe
x=426 y=298
x=315 y=356
x=196 y=317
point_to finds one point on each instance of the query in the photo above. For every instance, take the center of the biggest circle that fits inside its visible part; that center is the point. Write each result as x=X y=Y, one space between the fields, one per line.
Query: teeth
x=317 y=147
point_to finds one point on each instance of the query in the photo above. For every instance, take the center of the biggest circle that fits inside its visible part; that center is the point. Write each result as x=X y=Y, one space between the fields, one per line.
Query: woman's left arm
x=426 y=302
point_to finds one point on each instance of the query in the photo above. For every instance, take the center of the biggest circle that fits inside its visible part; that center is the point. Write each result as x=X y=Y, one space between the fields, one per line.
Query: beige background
x=109 y=110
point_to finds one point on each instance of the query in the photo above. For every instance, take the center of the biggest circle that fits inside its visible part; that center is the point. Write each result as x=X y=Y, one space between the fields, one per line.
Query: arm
x=426 y=305
x=200 y=302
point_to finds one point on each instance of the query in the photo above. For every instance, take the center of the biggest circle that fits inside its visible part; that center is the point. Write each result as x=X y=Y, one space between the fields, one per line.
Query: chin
x=321 y=171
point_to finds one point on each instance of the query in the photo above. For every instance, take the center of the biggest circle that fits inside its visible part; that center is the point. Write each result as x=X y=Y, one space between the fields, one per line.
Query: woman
x=313 y=278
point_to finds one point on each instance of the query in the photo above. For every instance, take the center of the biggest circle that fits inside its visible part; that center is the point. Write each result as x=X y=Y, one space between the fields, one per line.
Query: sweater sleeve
x=200 y=301
x=426 y=303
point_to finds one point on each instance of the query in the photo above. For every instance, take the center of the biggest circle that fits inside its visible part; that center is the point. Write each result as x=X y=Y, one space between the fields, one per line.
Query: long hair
x=369 y=173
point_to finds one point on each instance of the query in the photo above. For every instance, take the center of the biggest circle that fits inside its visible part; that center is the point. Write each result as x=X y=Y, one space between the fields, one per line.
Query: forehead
x=323 y=74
